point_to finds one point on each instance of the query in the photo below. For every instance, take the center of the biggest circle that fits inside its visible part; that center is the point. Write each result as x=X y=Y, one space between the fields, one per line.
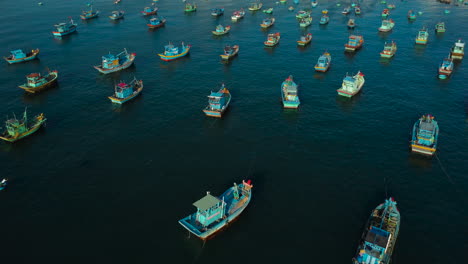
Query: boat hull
x=31 y=57
x=163 y=22
x=89 y=17
x=303 y=43
x=457 y=56
x=121 y=67
x=386 y=55
x=291 y=104
x=174 y=57
x=421 y=41
x=226 y=30
x=50 y=83
x=352 y=48
x=321 y=69
x=60 y=34
x=120 y=101
x=422 y=149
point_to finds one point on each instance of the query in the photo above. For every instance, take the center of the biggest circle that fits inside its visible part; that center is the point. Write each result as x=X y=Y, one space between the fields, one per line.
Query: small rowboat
x=305 y=39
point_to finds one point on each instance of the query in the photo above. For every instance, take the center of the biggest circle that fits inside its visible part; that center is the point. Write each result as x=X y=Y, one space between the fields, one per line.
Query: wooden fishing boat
x=255 y=6
x=218 y=102
x=267 y=22
x=112 y=63
x=18 y=129
x=425 y=135
x=446 y=68
x=387 y=25
x=268 y=11
x=37 y=82
x=389 y=50
x=289 y=93
x=215 y=213
x=351 y=24
x=411 y=15
x=273 y=39
x=325 y=11
x=89 y=14
x=3 y=184
x=17 y=56
x=324 y=20
x=63 y=29
x=380 y=235
x=124 y=92
x=156 y=22
x=458 y=50
x=171 y=52
x=216 y=12
x=238 y=15
x=150 y=10
x=440 y=27
x=305 y=39
x=351 y=85
x=229 y=52
x=190 y=7
x=385 y=13
x=302 y=14
x=355 y=42
x=221 y=30
x=357 y=10
x=305 y=22
x=116 y=15
x=345 y=11
x=323 y=62
x=314 y=3
x=422 y=37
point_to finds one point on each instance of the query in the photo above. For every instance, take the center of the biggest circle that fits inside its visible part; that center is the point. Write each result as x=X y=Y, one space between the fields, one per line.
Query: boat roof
x=33 y=75
x=349 y=79
x=429 y=126
x=16 y=52
x=378 y=237
x=216 y=94
x=206 y=202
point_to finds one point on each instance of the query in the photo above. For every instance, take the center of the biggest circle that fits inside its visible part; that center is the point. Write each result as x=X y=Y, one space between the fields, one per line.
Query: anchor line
x=444 y=171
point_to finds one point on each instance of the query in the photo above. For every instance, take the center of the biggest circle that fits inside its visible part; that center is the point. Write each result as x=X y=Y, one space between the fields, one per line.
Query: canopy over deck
x=206 y=202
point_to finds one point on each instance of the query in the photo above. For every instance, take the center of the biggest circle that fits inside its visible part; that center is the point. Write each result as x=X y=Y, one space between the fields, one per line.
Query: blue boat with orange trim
x=218 y=102
x=89 y=14
x=62 y=29
x=323 y=62
x=150 y=10
x=156 y=22
x=18 y=56
x=171 y=52
x=425 y=135
x=126 y=91
x=215 y=213
x=112 y=63
x=289 y=93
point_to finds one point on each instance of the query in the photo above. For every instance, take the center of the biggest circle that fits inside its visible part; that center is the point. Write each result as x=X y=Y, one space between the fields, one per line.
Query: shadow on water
x=347 y=104
x=419 y=161
x=40 y=97
x=350 y=55
x=419 y=49
x=174 y=64
x=127 y=106
x=66 y=39
x=270 y=50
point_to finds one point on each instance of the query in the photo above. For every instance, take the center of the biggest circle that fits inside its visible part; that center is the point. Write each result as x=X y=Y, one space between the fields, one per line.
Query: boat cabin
x=16 y=127
x=209 y=209
x=110 y=61
x=17 y=54
x=376 y=242
x=170 y=50
x=123 y=90
x=216 y=100
x=426 y=131
x=35 y=80
x=349 y=83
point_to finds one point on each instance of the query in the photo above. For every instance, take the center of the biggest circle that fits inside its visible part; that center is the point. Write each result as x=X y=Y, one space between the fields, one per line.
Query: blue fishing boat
x=422 y=36
x=425 y=134
x=229 y=52
x=411 y=15
x=314 y=3
x=156 y=22
x=446 y=68
x=217 y=12
x=150 y=10
x=116 y=15
x=221 y=30
x=324 y=20
x=63 y=29
x=3 y=184
x=171 y=52
x=18 y=56
x=89 y=14
x=218 y=102
x=215 y=213
x=296 y=2
x=37 y=82
x=112 y=63
x=323 y=63
x=126 y=91
x=380 y=235
x=289 y=93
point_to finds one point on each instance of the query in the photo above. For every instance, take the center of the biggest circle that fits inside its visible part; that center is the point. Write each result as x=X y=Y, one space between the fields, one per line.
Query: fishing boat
x=323 y=62
x=190 y=7
x=238 y=15
x=355 y=42
x=305 y=22
x=3 y=184
x=220 y=30
x=446 y=68
x=150 y=10
x=18 y=129
x=351 y=85
x=215 y=213
x=411 y=15
x=387 y=25
x=116 y=15
x=324 y=20
x=37 y=82
x=391 y=6
x=302 y=14
x=325 y=11
x=296 y=2
x=385 y=13
x=389 y=50
x=291 y=8
x=171 y=52
x=345 y=11
x=112 y=63
x=422 y=37
x=17 y=56
x=255 y=6
x=267 y=22
x=229 y=52
x=305 y=39
x=117 y=1
x=217 y=12
x=357 y=10
x=124 y=92
x=379 y=236
x=425 y=134
x=283 y=1
x=62 y=29
x=351 y=23
x=89 y=14
x=268 y=11
x=314 y=3
x=440 y=27
x=289 y=93
x=273 y=39
x=458 y=50
x=156 y=22
x=218 y=102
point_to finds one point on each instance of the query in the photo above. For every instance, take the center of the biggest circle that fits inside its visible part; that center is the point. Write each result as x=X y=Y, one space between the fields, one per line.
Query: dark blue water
x=105 y=183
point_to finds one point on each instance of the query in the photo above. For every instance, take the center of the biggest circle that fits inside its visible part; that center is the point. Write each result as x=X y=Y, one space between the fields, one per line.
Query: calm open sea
x=108 y=184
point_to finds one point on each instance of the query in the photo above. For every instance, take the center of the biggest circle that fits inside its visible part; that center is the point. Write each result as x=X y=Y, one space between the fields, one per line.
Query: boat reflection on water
x=419 y=161
x=128 y=106
x=347 y=103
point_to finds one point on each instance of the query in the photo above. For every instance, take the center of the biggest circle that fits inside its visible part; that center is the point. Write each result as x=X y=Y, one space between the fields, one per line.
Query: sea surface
x=108 y=184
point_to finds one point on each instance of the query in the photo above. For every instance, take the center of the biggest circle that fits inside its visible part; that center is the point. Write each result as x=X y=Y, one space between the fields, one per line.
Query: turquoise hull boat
x=18 y=56
x=425 y=135
x=215 y=213
x=113 y=63
x=125 y=92
x=289 y=93
x=173 y=53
